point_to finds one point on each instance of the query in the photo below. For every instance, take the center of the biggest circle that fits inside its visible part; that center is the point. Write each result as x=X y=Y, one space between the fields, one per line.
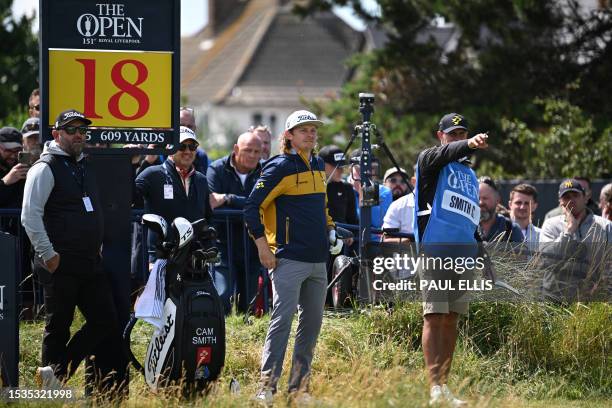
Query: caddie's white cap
x=302 y=117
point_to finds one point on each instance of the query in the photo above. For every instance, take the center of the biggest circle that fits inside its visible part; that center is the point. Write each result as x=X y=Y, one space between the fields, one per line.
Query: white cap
x=186 y=133
x=301 y=117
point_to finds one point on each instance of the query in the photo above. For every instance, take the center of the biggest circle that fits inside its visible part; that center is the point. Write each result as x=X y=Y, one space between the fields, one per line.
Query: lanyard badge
x=168 y=192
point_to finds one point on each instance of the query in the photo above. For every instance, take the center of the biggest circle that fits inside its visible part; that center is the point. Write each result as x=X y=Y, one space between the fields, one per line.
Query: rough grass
x=508 y=355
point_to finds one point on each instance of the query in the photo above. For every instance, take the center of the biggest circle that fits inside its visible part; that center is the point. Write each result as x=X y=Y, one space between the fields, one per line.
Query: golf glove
x=335 y=244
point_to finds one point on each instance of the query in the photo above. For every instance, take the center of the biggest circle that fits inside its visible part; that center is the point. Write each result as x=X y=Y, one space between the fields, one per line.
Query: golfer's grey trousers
x=301 y=286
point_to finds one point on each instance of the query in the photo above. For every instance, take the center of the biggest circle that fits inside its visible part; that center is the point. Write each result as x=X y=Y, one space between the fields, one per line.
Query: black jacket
x=341 y=202
x=192 y=205
x=222 y=179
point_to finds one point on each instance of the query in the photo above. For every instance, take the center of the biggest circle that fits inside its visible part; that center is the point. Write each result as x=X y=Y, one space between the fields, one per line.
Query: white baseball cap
x=302 y=117
x=186 y=133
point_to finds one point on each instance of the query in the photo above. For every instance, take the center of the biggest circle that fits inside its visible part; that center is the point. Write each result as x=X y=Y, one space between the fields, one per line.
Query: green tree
x=18 y=62
x=568 y=145
x=508 y=53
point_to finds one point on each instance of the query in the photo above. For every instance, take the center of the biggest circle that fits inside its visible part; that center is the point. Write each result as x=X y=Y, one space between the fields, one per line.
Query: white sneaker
x=436 y=396
x=451 y=399
x=265 y=397
x=45 y=377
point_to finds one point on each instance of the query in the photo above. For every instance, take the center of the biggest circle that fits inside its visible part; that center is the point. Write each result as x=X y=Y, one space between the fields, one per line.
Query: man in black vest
x=62 y=215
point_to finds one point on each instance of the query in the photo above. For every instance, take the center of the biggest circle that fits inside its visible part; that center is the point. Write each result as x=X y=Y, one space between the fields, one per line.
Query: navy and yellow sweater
x=289 y=205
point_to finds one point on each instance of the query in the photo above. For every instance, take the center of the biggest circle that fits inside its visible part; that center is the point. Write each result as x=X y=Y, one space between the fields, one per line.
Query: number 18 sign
x=118 y=63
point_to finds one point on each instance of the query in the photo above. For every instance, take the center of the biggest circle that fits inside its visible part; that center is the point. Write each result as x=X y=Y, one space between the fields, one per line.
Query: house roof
x=269 y=57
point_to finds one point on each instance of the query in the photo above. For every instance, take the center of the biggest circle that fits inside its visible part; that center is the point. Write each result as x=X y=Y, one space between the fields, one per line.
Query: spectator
x=266 y=139
x=31 y=137
x=605 y=201
x=175 y=188
x=395 y=182
x=523 y=203
x=445 y=212
x=585 y=182
x=187 y=119
x=494 y=227
x=293 y=244
x=581 y=239
x=12 y=175
x=62 y=215
x=230 y=181
x=34 y=104
x=340 y=197
x=400 y=216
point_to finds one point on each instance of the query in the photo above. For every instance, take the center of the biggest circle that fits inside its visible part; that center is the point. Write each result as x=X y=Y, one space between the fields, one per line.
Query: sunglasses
x=182 y=147
x=396 y=180
x=30 y=127
x=71 y=130
x=35 y=107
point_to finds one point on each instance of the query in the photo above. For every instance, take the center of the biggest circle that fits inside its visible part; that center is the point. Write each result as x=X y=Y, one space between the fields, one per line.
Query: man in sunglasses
x=62 y=215
x=174 y=188
x=395 y=182
x=34 y=104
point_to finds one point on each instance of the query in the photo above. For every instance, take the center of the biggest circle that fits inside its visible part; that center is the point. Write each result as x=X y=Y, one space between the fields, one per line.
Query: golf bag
x=188 y=345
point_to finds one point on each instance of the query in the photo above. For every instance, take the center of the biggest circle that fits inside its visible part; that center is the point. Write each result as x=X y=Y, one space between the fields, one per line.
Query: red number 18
x=121 y=83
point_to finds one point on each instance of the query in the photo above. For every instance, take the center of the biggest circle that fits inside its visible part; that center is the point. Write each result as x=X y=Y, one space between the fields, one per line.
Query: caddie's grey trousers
x=302 y=286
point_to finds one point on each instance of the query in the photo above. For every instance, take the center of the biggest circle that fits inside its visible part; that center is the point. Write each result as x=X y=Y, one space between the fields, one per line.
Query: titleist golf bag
x=188 y=345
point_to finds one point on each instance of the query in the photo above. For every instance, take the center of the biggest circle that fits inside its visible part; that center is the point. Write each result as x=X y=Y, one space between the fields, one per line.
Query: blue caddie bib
x=454 y=214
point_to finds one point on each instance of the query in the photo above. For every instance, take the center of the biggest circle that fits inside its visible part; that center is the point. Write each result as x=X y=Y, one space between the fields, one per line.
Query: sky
x=194 y=13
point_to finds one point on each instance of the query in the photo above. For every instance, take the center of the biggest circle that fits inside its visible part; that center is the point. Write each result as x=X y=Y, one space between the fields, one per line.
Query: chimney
x=221 y=13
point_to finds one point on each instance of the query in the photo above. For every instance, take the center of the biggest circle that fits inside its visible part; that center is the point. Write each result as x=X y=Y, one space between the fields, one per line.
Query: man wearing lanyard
x=174 y=188
x=62 y=215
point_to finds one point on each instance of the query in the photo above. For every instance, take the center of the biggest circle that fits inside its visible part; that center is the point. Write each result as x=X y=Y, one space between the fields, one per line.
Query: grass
x=508 y=355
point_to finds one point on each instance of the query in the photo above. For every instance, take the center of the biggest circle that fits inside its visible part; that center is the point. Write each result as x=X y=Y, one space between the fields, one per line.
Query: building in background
x=255 y=62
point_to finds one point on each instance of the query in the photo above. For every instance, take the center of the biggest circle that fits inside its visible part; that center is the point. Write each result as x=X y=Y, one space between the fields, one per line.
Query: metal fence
x=224 y=219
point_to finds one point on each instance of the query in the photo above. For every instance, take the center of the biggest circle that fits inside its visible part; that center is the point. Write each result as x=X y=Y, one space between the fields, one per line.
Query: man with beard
x=494 y=227
x=395 y=182
x=62 y=215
